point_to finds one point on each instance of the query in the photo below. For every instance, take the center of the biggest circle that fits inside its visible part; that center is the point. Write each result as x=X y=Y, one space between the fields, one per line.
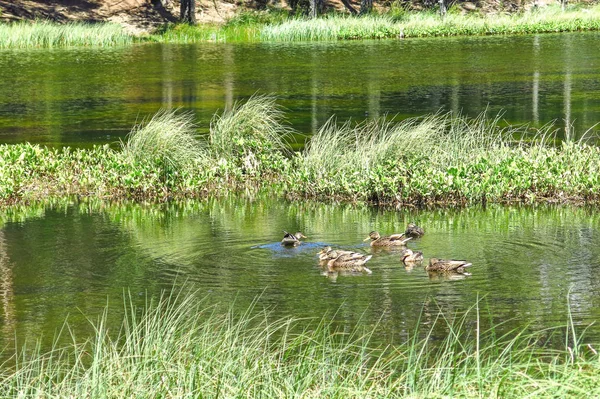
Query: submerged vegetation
x=279 y=26
x=438 y=159
x=180 y=347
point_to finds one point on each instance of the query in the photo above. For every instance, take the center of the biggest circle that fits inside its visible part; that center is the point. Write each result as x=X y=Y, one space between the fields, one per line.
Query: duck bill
x=367 y=239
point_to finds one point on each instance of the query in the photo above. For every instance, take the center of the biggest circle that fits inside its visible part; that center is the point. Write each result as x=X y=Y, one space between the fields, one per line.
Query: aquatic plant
x=178 y=346
x=48 y=34
x=437 y=159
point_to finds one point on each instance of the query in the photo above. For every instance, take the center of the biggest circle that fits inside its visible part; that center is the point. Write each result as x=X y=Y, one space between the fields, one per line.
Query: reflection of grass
x=47 y=34
x=176 y=347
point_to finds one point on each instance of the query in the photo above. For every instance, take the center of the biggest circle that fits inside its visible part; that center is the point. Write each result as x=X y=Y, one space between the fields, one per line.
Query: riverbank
x=434 y=160
x=278 y=26
x=180 y=347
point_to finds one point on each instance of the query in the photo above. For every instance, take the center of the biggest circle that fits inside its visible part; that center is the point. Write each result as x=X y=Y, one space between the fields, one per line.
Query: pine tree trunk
x=188 y=11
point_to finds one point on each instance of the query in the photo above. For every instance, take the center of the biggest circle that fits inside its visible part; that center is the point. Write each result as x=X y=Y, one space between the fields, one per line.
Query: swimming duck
x=393 y=240
x=442 y=265
x=327 y=253
x=352 y=262
x=292 y=240
x=410 y=256
x=412 y=230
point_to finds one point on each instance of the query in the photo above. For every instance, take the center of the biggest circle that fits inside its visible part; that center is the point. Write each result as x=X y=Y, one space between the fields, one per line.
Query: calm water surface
x=70 y=261
x=85 y=96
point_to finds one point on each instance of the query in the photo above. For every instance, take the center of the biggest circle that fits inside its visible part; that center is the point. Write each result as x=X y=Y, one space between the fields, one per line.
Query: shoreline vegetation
x=440 y=159
x=278 y=26
x=178 y=346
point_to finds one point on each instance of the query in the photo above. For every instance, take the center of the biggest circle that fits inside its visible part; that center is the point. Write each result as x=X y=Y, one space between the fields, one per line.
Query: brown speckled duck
x=412 y=230
x=394 y=240
x=443 y=265
x=409 y=256
x=292 y=240
x=327 y=253
x=352 y=262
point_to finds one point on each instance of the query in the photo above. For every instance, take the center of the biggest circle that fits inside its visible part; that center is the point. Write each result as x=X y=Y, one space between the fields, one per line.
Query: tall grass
x=169 y=139
x=423 y=24
x=48 y=34
x=178 y=347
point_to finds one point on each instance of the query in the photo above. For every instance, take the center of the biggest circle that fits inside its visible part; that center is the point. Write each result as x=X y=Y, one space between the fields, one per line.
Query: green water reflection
x=71 y=260
x=84 y=96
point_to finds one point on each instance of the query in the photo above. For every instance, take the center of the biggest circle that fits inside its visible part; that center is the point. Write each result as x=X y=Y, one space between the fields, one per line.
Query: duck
x=412 y=230
x=327 y=253
x=409 y=256
x=352 y=262
x=292 y=240
x=443 y=265
x=393 y=240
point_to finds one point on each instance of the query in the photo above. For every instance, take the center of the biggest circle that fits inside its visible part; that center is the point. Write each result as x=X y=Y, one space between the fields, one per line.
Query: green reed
x=47 y=34
x=177 y=346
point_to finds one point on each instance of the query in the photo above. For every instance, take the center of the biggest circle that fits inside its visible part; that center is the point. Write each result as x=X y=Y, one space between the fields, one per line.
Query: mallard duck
x=292 y=240
x=327 y=253
x=443 y=265
x=412 y=230
x=352 y=262
x=410 y=256
x=393 y=240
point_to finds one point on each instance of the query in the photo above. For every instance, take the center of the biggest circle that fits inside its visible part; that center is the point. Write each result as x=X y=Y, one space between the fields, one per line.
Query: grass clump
x=47 y=34
x=177 y=347
x=168 y=140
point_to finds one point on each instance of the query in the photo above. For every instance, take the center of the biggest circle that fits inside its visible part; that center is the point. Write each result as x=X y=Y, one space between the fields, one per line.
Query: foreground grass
x=47 y=34
x=278 y=26
x=439 y=159
x=179 y=347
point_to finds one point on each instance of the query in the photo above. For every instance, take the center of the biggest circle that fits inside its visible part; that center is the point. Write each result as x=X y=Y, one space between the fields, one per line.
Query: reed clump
x=47 y=35
x=180 y=347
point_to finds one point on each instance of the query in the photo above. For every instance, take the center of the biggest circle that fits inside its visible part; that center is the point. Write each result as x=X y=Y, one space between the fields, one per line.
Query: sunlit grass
x=179 y=347
x=47 y=35
x=423 y=24
x=169 y=139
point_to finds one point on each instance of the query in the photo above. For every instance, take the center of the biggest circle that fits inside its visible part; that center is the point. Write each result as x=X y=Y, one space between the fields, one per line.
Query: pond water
x=72 y=260
x=85 y=96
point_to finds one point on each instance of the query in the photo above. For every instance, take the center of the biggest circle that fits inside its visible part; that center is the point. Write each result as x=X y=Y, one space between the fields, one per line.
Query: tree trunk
x=442 y=9
x=313 y=10
x=188 y=11
x=349 y=7
x=366 y=6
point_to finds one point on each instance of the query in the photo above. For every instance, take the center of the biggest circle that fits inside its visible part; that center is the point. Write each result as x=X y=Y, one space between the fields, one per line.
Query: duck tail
x=368 y=257
x=367 y=270
x=467 y=265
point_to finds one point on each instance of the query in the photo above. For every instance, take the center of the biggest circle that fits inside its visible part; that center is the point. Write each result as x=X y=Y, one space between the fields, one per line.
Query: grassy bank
x=278 y=26
x=427 y=24
x=439 y=159
x=179 y=347
x=48 y=35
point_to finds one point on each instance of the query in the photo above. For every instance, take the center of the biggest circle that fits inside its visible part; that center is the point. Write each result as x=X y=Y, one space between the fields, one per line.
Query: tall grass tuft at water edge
x=177 y=347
